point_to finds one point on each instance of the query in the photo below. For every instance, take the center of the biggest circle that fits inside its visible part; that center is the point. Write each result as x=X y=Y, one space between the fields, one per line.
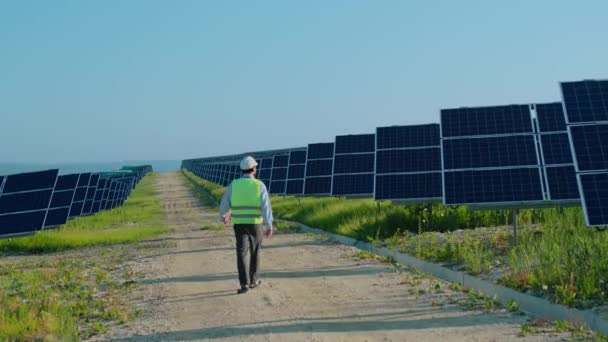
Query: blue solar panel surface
x=66 y=182
x=408 y=163
x=586 y=101
x=551 y=117
x=296 y=171
x=409 y=186
x=408 y=136
x=25 y=201
x=556 y=149
x=297 y=157
x=30 y=181
x=408 y=160
x=561 y=182
x=595 y=194
x=489 y=152
x=493 y=186
x=501 y=169
x=318 y=186
x=280 y=161
x=320 y=167
x=590 y=146
x=462 y=122
x=56 y=217
x=320 y=151
x=353 y=163
x=294 y=187
x=278 y=186
x=353 y=185
x=357 y=143
x=22 y=222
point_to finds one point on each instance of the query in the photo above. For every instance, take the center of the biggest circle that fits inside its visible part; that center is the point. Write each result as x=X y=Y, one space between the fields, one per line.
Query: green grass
x=140 y=217
x=66 y=297
x=556 y=256
x=60 y=300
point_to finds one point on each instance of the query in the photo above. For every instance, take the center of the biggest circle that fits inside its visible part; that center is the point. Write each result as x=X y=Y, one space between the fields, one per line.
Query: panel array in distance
x=319 y=169
x=354 y=165
x=24 y=201
x=408 y=163
x=586 y=109
x=296 y=173
x=489 y=156
x=556 y=156
x=265 y=171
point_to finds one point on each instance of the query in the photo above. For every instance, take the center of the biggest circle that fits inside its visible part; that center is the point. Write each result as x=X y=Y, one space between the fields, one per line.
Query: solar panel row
x=514 y=155
x=37 y=200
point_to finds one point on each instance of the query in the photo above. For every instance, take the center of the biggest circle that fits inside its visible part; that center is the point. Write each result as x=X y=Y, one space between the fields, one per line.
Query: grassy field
x=75 y=295
x=556 y=255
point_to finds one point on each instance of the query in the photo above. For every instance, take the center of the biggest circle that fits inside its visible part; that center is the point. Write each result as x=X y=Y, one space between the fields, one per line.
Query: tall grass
x=141 y=216
x=556 y=256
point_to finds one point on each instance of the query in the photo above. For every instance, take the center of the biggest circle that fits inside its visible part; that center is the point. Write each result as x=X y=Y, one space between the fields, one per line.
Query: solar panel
x=319 y=169
x=493 y=186
x=265 y=170
x=30 y=181
x=590 y=146
x=296 y=173
x=18 y=223
x=355 y=143
x=595 y=196
x=320 y=151
x=408 y=160
x=25 y=201
x=518 y=150
x=490 y=156
x=61 y=201
x=354 y=160
x=561 y=182
x=409 y=186
x=408 y=163
x=463 y=122
x=556 y=149
x=90 y=196
x=586 y=105
x=550 y=117
x=586 y=101
x=408 y=136
x=278 y=178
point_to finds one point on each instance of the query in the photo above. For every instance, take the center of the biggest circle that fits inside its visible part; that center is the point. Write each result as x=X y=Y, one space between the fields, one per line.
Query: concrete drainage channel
x=535 y=306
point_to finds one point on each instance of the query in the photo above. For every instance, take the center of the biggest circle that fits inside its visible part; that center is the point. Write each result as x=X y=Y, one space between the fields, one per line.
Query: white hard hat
x=248 y=163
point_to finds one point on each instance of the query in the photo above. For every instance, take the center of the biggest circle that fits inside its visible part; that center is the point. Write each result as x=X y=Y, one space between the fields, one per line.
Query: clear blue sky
x=87 y=81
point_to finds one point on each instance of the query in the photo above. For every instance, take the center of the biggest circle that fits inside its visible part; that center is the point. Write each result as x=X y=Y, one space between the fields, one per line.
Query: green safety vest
x=245 y=201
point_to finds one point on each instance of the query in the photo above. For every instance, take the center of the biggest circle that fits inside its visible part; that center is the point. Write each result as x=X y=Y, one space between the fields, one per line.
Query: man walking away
x=246 y=203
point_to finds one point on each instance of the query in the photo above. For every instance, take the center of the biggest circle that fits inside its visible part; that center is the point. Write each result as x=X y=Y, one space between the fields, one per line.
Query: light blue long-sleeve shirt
x=264 y=197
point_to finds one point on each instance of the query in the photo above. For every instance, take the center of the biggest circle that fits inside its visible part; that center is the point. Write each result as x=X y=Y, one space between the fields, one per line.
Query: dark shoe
x=255 y=284
x=242 y=290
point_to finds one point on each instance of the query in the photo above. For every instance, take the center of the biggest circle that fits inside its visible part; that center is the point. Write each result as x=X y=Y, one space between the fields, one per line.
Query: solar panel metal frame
x=372 y=173
x=439 y=171
x=491 y=205
x=579 y=173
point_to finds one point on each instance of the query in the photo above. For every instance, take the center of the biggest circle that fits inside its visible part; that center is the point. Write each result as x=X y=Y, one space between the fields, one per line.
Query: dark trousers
x=248 y=237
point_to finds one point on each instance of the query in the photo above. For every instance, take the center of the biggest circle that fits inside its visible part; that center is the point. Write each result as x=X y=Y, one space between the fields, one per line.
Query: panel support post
x=514 y=215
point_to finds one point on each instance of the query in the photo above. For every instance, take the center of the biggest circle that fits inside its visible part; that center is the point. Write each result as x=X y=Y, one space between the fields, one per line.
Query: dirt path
x=313 y=290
